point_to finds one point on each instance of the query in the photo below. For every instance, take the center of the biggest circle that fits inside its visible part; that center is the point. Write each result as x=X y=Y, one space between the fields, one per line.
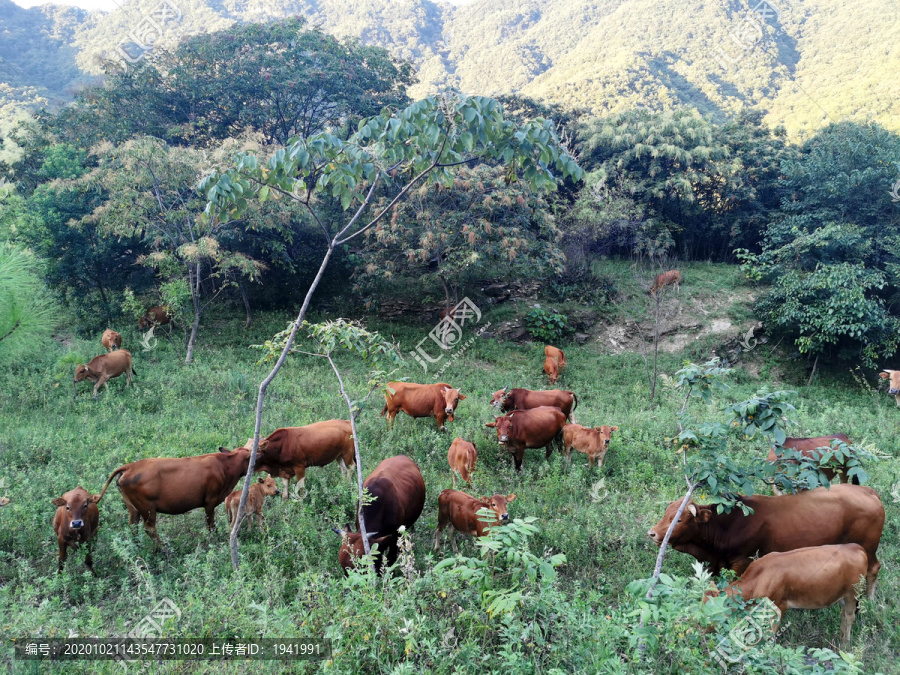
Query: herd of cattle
x=804 y=550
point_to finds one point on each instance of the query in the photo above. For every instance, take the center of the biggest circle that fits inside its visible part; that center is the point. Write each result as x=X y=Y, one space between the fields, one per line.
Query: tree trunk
x=195 y=326
x=657 y=299
x=247 y=307
x=813 y=373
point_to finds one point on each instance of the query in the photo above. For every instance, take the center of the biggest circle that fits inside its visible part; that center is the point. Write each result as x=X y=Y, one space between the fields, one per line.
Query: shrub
x=546 y=326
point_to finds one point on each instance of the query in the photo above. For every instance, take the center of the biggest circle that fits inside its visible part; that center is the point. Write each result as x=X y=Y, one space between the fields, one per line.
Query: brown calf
x=462 y=456
x=155 y=316
x=103 y=368
x=592 y=442
x=461 y=512
x=111 y=340
x=670 y=278
x=551 y=368
x=551 y=352
x=76 y=521
x=255 y=499
x=422 y=400
x=814 y=577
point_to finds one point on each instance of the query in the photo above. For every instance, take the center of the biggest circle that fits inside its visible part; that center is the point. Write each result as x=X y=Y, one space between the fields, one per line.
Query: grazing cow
x=460 y=511
x=175 y=485
x=842 y=514
x=155 y=316
x=813 y=577
x=551 y=352
x=399 y=497
x=551 y=368
x=809 y=447
x=255 y=499
x=422 y=400
x=111 y=340
x=670 y=278
x=462 y=456
x=75 y=522
x=289 y=451
x=103 y=368
x=592 y=442
x=507 y=399
x=535 y=428
x=4 y=501
x=894 y=386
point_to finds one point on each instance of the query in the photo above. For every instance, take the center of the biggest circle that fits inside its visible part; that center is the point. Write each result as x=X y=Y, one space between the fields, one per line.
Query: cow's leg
x=345 y=470
x=210 y=517
x=452 y=536
x=848 y=615
x=63 y=551
x=101 y=382
x=128 y=377
x=437 y=536
x=150 y=528
x=519 y=455
x=872 y=579
x=300 y=472
x=89 y=559
x=440 y=416
x=285 y=482
x=590 y=462
x=134 y=516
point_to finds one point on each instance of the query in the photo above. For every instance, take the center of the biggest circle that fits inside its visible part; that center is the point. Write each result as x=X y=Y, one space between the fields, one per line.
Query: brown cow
x=255 y=500
x=592 y=442
x=460 y=511
x=670 y=278
x=422 y=400
x=843 y=514
x=103 y=368
x=462 y=456
x=175 y=485
x=551 y=352
x=289 y=451
x=399 y=497
x=894 y=386
x=507 y=399
x=813 y=577
x=809 y=447
x=111 y=340
x=551 y=368
x=535 y=428
x=155 y=316
x=75 y=522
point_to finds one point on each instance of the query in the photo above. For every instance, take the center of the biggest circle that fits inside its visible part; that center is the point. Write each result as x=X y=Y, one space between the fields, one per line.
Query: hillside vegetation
x=812 y=63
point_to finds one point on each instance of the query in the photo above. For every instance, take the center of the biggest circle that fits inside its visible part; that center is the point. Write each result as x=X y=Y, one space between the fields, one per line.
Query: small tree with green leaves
x=27 y=312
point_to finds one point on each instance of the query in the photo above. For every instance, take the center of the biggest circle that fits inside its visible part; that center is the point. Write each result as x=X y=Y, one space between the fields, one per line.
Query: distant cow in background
x=551 y=352
x=103 y=368
x=155 y=316
x=592 y=442
x=422 y=400
x=256 y=498
x=809 y=447
x=460 y=511
x=111 y=340
x=399 y=497
x=894 y=386
x=462 y=456
x=76 y=521
x=551 y=368
x=670 y=278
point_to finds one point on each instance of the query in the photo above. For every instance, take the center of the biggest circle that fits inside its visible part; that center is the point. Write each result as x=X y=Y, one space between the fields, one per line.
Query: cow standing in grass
x=75 y=522
x=422 y=400
x=103 y=368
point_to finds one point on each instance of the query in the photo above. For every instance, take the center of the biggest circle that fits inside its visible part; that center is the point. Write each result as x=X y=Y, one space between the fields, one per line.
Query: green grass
x=289 y=583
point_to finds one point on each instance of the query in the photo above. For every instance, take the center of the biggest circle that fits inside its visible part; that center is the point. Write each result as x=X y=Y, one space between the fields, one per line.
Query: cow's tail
x=133 y=371
x=109 y=480
x=576 y=401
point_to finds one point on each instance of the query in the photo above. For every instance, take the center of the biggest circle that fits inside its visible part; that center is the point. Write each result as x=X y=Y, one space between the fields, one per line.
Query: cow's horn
x=693 y=510
x=337 y=531
x=372 y=535
x=506 y=388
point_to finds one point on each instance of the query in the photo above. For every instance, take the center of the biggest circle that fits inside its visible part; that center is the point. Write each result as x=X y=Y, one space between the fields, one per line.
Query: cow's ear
x=59 y=501
x=462 y=396
x=703 y=515
x=491 y=424
x=885 y=374
x=223 y=449
x=260 y=480
x=263 y=444
x=93 y=499
x=614 y=428
x=510 y=498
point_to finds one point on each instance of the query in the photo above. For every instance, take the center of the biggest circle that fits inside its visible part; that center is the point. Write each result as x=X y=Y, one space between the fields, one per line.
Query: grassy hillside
x=289 y=583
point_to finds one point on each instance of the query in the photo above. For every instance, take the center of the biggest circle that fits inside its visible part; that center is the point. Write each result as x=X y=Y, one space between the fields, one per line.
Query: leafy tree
x=422 y=143
x=27 y=312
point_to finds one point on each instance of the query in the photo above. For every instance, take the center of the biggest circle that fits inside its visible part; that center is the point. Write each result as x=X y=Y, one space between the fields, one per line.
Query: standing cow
x=422 y=400
x=460 y=511
x=670 y=278
x=103 y=368
x=536 y=428
x=398 y=490
x=256 y=498
x=507 y=399
x=155 y=316
x=75 y=522
x=551 y=352
x=592 y=442
x=111 y=340
x=551 y=369
x=461 y=457
x=289 y=451
x=175 y=485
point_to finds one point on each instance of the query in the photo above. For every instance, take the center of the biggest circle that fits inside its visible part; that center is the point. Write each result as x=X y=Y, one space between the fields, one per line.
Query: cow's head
x=82 y=372
x=497 y=504
x=269 y=486
x=605 y=434
x=503 y=425
x=452 y=397
x=500 y=396
x=75 y=504
x=690 y=520
x=894 y=377
x=352 y=545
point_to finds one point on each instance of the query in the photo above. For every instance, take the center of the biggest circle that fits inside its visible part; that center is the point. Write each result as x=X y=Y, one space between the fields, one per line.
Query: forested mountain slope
x=805 y=63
